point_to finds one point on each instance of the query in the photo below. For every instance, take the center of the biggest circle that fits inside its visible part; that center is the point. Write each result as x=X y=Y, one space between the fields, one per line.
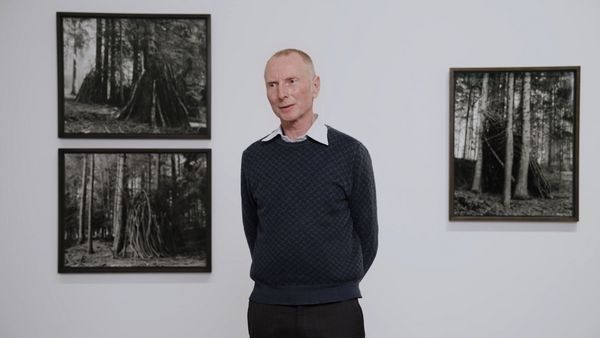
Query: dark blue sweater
x=310 y=218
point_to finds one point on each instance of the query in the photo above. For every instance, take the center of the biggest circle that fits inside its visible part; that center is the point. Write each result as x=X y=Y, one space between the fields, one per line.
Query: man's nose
x=282 y=92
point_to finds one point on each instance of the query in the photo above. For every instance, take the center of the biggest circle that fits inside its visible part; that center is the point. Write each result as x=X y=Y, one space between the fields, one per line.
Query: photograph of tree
x=134 y=210
x=514 y=135
x=133 y=76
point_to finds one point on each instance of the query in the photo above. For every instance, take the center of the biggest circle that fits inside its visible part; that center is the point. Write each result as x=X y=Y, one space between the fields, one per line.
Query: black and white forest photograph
x=134 y=210
x=514 y=138
x=133 y=75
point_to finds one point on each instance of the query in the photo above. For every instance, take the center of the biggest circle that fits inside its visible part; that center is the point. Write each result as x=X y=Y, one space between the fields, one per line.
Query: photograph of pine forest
x=514 y=144
x=134 y=210
x=134 y=76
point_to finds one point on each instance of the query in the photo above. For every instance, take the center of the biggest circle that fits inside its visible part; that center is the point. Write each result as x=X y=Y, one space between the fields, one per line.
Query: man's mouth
x=286 y=106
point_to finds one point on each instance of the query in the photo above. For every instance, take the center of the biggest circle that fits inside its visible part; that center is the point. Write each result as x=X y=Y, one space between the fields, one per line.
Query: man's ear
x=316 y=86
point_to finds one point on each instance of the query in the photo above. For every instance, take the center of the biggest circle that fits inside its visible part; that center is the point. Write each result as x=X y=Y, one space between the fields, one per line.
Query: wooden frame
x=547 y=188
x=151 y=210
x=153 y=79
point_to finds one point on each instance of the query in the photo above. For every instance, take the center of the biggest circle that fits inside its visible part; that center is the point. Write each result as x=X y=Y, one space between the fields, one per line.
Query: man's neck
x=296 y=129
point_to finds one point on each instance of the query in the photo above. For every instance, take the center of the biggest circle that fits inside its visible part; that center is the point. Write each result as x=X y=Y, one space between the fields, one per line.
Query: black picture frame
x=548 y=189
x=154 y=79
x=159 y=222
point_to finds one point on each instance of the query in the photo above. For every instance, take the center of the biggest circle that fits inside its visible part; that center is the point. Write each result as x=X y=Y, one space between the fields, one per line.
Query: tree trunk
x=174 y=169
x=90 y=203
x=136 y=62
x=551 y=130
x=110 y=198
x=149 y=181
x=104 y=207
x=105 y=65
x=157 y=166
x=560 y=149
x=121 y=74
x=98 y=81
x=521 y=188
x=82 y=201
x=173 y=178
x=469 y=99
x=113 y=63
x=535 y=124
x=118 y=214
x=544 y=131
x=99 y=45
x=153 y=107
x=508 y=161
x=73 y=88
x=476 y=186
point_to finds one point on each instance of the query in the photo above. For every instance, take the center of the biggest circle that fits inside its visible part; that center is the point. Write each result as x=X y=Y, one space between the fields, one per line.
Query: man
x=309 y=214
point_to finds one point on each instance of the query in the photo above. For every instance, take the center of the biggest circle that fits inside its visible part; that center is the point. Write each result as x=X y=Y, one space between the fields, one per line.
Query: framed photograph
x=133 y=75
x=134 y=210
x=514 y=141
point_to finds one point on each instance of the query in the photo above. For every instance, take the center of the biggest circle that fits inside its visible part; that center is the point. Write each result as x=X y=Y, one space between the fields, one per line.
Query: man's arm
x=249 y=214
x=363 y=205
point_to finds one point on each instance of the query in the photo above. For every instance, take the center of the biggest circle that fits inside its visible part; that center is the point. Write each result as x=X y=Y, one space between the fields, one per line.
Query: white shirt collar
x=317 y=132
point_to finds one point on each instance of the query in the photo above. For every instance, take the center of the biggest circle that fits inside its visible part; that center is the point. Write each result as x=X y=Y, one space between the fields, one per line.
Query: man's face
x=291 y=87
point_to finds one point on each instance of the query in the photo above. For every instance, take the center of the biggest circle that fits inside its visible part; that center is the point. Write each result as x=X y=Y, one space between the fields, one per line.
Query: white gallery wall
x=384 y=74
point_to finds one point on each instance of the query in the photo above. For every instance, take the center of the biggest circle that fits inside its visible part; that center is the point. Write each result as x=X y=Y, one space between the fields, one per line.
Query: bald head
x=288 y=51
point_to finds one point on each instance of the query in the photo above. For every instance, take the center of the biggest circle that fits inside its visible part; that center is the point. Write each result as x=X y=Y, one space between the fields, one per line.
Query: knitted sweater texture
x=309 y=214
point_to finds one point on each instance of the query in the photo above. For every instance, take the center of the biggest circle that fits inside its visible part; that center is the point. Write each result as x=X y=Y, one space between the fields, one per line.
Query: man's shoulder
x=258 y=143
x=257 y=147
x=254 y=145
x=336 y=137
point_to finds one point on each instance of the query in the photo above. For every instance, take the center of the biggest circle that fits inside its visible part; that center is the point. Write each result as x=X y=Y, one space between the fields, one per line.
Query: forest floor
x=468 y=203
x=88 y=118
x=77 y=256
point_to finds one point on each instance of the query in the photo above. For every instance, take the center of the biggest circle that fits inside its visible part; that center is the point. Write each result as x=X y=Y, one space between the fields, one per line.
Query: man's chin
x=287 y=117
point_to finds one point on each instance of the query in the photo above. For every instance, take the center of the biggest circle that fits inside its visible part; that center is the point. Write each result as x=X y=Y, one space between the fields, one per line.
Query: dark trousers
x=332 y=320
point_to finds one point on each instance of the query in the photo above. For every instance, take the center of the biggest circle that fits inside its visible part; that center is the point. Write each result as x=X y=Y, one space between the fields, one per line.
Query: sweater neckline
x=303 y=143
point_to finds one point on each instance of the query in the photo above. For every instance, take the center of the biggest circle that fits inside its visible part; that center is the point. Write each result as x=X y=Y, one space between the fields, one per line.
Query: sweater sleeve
x=363 y=205
x=249 y=212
